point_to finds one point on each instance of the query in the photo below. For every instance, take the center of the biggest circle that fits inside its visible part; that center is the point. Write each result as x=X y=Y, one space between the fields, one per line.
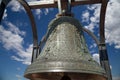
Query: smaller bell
x=65 y=55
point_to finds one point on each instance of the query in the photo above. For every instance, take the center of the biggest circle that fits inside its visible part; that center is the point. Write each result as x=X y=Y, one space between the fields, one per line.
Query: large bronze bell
x=65 y=55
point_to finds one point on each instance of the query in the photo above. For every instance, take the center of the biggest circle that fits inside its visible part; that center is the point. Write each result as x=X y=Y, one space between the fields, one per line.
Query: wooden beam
x=42 y=4
x=53 y=3
x=85 y=2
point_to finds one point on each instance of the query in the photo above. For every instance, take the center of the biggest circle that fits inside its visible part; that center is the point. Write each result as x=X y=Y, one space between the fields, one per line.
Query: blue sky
x=16 y=35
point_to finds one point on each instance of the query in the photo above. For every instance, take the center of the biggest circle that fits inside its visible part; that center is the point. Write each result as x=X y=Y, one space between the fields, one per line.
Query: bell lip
x=33 y=70
x=29 y=74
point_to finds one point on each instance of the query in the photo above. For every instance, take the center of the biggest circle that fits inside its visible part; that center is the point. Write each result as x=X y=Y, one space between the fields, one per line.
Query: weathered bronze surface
x=65 y=53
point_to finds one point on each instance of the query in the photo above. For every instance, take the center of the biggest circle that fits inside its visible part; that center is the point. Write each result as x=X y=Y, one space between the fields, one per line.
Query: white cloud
x=9 y=39
x=12 y=39
x=19 y=77
x=18 y=68
x=15 y=29
x=94 y=45
x=116 y=78
x=96 y=57
x=93 y=20
x=15 y=6
x=38 y=13
x=85 y=16
x=110 y=67
x=24 y=55
x=5 y=14
x=112 y=21
x=46 y=11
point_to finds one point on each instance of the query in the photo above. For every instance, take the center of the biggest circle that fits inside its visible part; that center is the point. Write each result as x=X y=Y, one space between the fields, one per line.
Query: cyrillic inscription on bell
x=65 y=55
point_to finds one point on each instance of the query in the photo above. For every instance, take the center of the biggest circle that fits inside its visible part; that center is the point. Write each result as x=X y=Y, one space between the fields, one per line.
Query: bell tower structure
x=65 y=55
